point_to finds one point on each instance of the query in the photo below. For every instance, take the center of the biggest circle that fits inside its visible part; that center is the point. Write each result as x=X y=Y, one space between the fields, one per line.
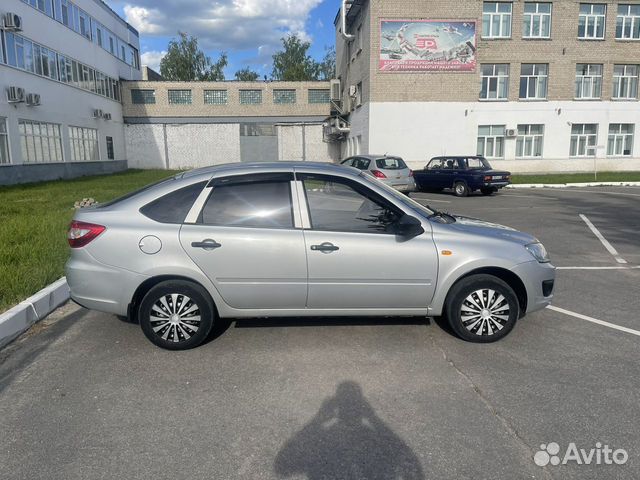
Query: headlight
x=538 y=251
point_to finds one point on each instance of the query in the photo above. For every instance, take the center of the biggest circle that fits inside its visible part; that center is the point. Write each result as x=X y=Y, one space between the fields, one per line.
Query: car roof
x=260 y=167
x=455 y=157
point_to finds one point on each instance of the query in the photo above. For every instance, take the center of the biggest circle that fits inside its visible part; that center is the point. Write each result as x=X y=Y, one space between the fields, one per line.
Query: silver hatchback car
x=297 y=239
x=390 y=170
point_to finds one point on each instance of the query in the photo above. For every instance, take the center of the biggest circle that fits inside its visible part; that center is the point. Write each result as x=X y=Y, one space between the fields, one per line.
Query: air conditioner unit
x=106 y=116
x=12 y=22
x=512 y=132
x=353 y=90
x=15 y=94
x=33 y=99
x=336 y=90
x=97 y=113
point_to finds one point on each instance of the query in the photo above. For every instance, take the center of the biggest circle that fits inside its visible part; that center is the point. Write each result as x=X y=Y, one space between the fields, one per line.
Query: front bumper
x=538 y=279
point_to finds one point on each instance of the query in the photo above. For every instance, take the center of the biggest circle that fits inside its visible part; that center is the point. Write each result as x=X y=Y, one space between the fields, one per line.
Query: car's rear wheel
x=482 y=308
x=488 y=191
x=176 y=314
x=460 y=189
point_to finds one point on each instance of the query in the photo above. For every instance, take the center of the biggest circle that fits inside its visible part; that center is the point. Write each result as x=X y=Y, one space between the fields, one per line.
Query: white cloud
x=152 y=59
x=224 y=24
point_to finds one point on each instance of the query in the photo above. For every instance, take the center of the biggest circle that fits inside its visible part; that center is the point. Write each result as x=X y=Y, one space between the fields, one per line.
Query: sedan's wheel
x=460 y=189
x=176 y=315
x=482 y=308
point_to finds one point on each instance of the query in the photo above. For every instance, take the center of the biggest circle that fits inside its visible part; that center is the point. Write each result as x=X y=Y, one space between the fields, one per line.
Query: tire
x=488 y=191
x=460 y=189
x=500 y=315
x=192 y=325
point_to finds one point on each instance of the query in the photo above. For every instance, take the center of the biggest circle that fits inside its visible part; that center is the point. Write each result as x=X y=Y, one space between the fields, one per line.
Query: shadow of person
x=346 y=440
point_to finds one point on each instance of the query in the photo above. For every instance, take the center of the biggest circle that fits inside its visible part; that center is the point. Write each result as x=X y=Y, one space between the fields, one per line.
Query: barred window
x=40 y=142
x=284 y=96
x=215 y=97
x=144 y=97
x=4 y=142
x=250 y=97
x=319 y=95
x=84 y=144
x=180 y=97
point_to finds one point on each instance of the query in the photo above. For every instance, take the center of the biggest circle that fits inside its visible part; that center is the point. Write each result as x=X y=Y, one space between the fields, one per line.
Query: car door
x=354 y=259
x=432 y=173
x=245 y=240
x=448 y=173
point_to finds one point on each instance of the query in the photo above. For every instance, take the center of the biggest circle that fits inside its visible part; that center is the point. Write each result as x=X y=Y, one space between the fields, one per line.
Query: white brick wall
x=145 y=146
x=195 y=145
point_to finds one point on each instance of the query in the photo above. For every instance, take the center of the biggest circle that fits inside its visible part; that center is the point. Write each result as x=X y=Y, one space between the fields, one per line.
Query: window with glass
x=591 y=21
x=40 y=142
x=179 y=97
x=620 y=142
x=5 y=156
x=495 y=82
x=44 y=6
x=628 y=22
x=536 y=21
x=284 y=96
x=342 y=205
x=533 y=81
x=250 y=97
x=84 y=144
x=529 y=141
x=588 y=81
x=496 y=19
x=625 y=82
x=215 y=97
x=584 y=139
x=143 y=96
x=319 y=95
x=251 y=201
x=110 y=152
x=491 y=141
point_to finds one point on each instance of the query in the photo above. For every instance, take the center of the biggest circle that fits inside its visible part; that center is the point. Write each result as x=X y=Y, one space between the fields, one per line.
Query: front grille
x=547 y=288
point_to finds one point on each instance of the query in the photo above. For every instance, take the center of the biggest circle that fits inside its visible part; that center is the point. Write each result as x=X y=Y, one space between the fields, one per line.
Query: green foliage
x=327 y=67
x=247 y=75
x=293 y=63
x=185 y=62
x=577 y=177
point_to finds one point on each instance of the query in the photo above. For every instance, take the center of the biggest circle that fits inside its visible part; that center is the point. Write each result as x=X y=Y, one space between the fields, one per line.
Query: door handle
x=325 y=247
x=207 y=244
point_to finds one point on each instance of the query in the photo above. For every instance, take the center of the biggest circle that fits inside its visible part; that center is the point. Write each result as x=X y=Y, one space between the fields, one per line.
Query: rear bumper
x=101 y=287
x=538 y=279
x=405 y=185
x=497 y=185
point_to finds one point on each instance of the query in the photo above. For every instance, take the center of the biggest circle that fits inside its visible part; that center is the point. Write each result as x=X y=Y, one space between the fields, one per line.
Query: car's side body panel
x=454 y=169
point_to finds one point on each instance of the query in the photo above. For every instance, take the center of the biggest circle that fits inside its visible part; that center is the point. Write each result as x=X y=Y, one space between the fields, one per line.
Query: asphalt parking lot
x=86 y=396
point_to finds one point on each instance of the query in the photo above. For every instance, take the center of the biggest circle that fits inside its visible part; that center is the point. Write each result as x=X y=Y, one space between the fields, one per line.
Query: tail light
x=378 y=174
x=81 y=233
x=411 y=173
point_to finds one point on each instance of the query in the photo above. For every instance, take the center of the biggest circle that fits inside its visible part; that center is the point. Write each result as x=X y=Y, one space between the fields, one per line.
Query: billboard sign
x=427 y=46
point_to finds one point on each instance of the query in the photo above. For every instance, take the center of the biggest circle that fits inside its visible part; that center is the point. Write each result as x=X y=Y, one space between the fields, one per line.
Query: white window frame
x=494 y=78
x=539 y=78
x=588 y=81
x=528 y=143
x=624 y=19
x=541 y=17
x=592 y=21
x=36 y=147
x=618 y=139
x=4 y=142
x=585 y=143
x=491 y=141
x=625 y=85
x=84 y=144
x=501 y=17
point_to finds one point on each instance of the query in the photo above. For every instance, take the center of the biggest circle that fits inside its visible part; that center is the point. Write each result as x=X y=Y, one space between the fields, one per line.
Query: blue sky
x=248 y=30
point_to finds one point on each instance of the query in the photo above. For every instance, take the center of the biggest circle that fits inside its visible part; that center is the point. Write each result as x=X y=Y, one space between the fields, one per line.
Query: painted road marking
x=429 y=199
x=594 y=320
x=603 y=240
x=597 y=268
x=595 y=191
x=527 y=196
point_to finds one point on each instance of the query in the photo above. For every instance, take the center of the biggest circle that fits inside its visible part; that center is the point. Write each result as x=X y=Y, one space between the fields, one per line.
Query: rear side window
x=173 y=207
x=361 y=163
x=391 y=163
x=256 y=204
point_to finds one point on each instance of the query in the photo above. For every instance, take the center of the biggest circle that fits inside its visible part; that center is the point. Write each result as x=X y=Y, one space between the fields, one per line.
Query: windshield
x=390 y=163
x=401 y=197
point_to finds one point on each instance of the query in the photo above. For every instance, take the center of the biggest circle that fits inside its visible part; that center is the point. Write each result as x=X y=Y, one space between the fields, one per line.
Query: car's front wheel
x=482 y=308
x=176 y=314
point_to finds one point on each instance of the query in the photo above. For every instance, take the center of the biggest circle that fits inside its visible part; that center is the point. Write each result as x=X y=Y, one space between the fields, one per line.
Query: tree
x=184 y=61
x=293 y=64
x=247 y=75
x=327 y=67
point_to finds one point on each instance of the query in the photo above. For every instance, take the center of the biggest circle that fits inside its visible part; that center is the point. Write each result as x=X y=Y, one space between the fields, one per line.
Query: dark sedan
x=462 y=174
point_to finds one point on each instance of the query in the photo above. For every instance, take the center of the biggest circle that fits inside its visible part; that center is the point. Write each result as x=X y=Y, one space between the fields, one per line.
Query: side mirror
x=408 y=227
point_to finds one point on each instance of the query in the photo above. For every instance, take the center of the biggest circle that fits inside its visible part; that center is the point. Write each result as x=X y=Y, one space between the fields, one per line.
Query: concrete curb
x=19 y=318
x=565 y=185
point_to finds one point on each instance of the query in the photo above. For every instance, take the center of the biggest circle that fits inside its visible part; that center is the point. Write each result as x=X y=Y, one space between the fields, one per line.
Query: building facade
x=61 y=67
x=535 y=86
x=194 y=124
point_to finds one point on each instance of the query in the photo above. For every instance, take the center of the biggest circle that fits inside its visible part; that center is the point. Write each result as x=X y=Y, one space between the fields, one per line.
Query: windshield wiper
x=447 y=217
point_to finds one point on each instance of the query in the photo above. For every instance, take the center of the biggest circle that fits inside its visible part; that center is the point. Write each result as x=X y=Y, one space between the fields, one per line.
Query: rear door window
x=173 y=207
x=390 y=163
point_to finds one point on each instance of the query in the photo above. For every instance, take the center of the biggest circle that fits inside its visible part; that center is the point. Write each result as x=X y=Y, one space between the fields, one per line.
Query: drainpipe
x=343 y=12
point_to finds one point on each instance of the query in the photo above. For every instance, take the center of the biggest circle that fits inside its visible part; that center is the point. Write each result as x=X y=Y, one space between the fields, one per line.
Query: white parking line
x=595 y=191
x=597 y=268
x=504 y=194
x=430 y=199
x=594 y=320
x=603 y=240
